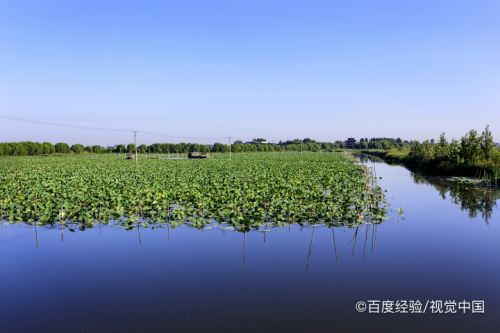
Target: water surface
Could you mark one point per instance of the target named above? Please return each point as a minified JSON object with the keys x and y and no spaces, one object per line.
{"x":444,"y":244}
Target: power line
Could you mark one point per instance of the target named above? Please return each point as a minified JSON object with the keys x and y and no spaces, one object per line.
{"x":49,"y":123}
{"x":24,"y":120}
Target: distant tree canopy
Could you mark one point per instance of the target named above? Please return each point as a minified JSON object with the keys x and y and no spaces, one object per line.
{"x":131,"y":148}
{"x":77,"y":148}
{"x":220,"y":148}
{"x":471,"y":148}
{"x":35,"y":148}
{"x":119,"y":149}
{"x":62,"y":148}
{"x":26,"y":148}
{"x":380,"y":143}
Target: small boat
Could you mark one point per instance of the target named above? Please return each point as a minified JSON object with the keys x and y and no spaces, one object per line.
{"x":195,"y":154}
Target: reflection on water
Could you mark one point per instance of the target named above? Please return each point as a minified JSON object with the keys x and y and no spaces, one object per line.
{"x":292,"y":278}
{"x":473,"y":199}
{"x":368,"y":233}
{"x":362,"y":241}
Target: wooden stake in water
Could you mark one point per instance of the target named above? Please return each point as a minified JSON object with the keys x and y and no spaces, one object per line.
{"x":310,"y":248}
{"x":62,"y":232}
{"x":367,"y":226}
{"x":355,"y":239}
{"x":139,"y":234}
{"x":36,"y":236}
{"x":244,"y":251}
{"x":335,"y":244}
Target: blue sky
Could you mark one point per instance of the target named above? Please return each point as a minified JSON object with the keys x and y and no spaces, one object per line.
{"x":273,"y":69}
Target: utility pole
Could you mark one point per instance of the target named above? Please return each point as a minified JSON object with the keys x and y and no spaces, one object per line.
{"x":230,"y":153}
{"x":135,"y":144}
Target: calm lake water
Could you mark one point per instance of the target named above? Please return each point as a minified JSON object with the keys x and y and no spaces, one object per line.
{"x":444,"y":246}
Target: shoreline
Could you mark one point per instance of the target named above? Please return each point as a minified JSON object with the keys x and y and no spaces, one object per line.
{"x":471,"y":175}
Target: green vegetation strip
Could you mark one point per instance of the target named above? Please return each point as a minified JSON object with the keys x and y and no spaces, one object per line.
{"x":474,"y":155}
{"x":247,"y":191}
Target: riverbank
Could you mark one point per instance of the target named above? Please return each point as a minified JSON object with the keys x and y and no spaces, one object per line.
{"x":477,"y":174}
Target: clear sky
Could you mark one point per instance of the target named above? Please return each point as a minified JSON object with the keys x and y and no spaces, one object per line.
{"x":272,"y":69}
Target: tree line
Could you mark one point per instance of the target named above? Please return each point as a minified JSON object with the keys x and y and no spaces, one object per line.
{"x":472,"y":149}
{"x":28,"y":148}
{"x":474,"y":154}
{"x":381,"y":143}
{"x":46,"y":148}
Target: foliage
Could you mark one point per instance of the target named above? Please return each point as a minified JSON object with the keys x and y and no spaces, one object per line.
{"x":120,"y":149}
{"x":77,"y":148}
{"x":62,"y":148}
{"x":249,"y":190}
{"x":473,"y":155}
{"x":130,"y":148}
{"x":472,"y":149}
{"x":379,"y":143}
{"x":473,"y":199}
{"x":258,"y":145}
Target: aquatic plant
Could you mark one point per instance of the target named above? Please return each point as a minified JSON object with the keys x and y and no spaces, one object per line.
{"x":245,"y":192}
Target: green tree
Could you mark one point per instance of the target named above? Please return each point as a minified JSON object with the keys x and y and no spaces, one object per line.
{"x":471,"y":147}
{"x":441,"y":149}
{"x":454,"y":152}
{"x":220,"y":148}
{"x":143,"y":149}
{"x":48,"y":148}
{"x":77,"y":148}
{"x":62,"y":148}
{"x":487,"y":144}
{"x":96,"y":149}
{"x":120,"y":149}
{"x":131,"y":148}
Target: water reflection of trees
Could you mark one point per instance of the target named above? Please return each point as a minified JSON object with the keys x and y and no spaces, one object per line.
{"x":470,"y":198}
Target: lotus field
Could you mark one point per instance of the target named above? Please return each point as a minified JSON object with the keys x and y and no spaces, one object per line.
{"x":246,"y":192}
